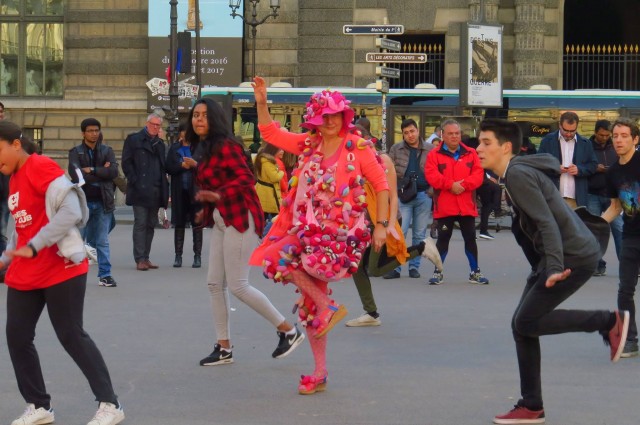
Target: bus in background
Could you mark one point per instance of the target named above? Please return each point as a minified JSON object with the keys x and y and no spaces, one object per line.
{"x":536,"y":111}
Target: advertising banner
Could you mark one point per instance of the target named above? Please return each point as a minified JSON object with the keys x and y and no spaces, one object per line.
{"x":481,"y":65}
{"x":220,"y":49}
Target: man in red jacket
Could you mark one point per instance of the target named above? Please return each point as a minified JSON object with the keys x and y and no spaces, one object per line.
{"x":454,"y":171}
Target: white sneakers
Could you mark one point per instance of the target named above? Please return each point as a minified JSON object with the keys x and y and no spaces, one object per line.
{"x":107,"y":414}
{"x":364,"y":320}
{"x":33,"y":416}
{"x":431,"y":253}
{"x":92,"y":254}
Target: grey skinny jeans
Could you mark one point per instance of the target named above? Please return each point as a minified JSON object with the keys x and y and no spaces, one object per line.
{"x":229,"y":269}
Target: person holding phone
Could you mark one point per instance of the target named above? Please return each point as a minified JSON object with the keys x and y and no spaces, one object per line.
{"x":577,"y":160}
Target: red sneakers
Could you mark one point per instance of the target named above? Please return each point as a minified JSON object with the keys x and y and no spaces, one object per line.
{"x":617,"y":336}
{"x":520,"y":415}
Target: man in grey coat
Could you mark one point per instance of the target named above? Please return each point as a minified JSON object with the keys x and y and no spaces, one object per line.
{"x":143,"y":163}
{"x":409,"y":157}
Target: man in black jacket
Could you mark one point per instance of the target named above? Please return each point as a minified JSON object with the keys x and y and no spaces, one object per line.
{"x":95,"y":163}
{"x":568,"y":254}
{"x":597,"y":199}
{"x":143,"y":163}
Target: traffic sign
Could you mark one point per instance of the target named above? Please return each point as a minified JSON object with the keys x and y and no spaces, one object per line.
{"x":372,"y":29}
{"x":385,"y":43}
{"x":397,"y":57}
{"x":383,"y":71}
{"x":382,"y":86}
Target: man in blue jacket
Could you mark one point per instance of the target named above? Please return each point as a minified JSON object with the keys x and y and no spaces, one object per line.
{"x":577,"y":159}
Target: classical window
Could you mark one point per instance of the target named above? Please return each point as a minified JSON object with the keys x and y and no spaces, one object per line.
{"x":31,"y":47}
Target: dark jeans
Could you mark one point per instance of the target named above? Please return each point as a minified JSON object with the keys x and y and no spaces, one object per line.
{"x":467,"y":228}
{"x":629,"y":260}
{"x":65,"y":305}
{"x":536,"y":316}
{"x":490,"y":195}
{"x":375,"y":264}
{"x":144,"y":223}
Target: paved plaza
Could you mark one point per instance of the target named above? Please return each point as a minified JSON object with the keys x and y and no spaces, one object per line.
{"x":443,"y":355}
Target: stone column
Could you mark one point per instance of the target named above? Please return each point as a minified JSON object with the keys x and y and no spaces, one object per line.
{"x":490,"y":11}
{"x":529,"y":29}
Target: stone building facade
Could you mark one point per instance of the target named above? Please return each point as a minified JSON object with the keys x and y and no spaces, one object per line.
{"x":105,"y":61}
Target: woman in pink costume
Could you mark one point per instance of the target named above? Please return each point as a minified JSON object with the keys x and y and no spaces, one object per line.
{"x":321,"y":231}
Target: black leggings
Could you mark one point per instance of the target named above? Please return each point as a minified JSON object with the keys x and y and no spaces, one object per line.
{"x":468,"y":228}
{"x":65,"y":304}
{"x":490,"y":195}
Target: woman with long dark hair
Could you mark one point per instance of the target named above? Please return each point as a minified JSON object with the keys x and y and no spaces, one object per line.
{"x":181,"y":166}
{"x":47,"y":267}
{"x":231,"y":206}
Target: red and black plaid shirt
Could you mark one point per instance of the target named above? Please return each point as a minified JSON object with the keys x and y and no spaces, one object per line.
{"x":228,"y":174}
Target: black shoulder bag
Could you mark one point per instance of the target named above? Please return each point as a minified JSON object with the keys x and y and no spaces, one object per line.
{"x":408,"y":185}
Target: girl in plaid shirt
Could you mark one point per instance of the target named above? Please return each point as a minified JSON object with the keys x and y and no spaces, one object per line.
{"x":231,"y":207}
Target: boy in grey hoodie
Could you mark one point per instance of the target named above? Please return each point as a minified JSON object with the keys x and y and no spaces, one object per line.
{"x":568,"y":250}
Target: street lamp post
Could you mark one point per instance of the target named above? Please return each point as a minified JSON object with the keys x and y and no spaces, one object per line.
{"x":173,"y":87}
{"x":254,"y":22}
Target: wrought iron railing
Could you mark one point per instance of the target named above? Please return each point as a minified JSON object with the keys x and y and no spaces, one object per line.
{"x":416,"y":73}
{"x":602,"y":67}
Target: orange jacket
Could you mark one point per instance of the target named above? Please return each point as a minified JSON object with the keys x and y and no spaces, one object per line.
{"x":442,"y":170}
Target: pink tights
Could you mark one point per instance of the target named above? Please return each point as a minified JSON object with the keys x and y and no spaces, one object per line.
{"x":316,"y":291}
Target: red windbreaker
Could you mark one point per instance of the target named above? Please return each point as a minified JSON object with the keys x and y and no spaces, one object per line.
{"x":442,"y":170}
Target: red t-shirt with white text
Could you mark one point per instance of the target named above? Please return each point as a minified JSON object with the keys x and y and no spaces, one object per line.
{"x":27,"y":189}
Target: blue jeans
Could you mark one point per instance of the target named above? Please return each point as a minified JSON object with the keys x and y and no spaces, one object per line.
{"x":596,"y":206}
{"x":416,"y":215}
{"x":96,"y":233}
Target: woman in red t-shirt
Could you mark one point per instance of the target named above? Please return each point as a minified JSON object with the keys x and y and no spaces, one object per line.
{"x":47,"y":267}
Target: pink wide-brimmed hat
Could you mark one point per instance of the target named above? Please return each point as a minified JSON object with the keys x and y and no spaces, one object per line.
{"x":327,"y":102}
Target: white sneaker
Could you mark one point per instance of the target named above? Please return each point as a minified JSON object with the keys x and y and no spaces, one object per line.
{"x":431,"y":253}
{"x":364,"y":320}
{"x":107,"y":414}
{"x":92,"y":254}
{"x":33,"y":416}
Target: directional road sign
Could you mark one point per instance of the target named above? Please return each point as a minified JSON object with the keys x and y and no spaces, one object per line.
{"x":372,"y":29}
{"x":385,"y":43}
{"x":397,"y":57}
{"x":382,"y":86}
{"x":383,"y":71}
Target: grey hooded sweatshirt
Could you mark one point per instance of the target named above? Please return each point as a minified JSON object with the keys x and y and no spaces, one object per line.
{"x":558,"y":234}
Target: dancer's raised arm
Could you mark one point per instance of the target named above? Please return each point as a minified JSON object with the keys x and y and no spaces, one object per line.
{"x":260,"y":94}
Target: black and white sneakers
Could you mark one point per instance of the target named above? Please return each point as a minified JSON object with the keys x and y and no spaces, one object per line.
{"x":218,"y":356}
{"x":287,"y":343}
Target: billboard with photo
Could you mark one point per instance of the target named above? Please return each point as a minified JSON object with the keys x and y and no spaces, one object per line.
{"x":220,"y":49}
{"x":481,"y":65}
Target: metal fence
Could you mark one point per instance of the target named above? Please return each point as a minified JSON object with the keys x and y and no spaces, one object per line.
{"x":602,"y":67}
{"x":416,"y":73}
